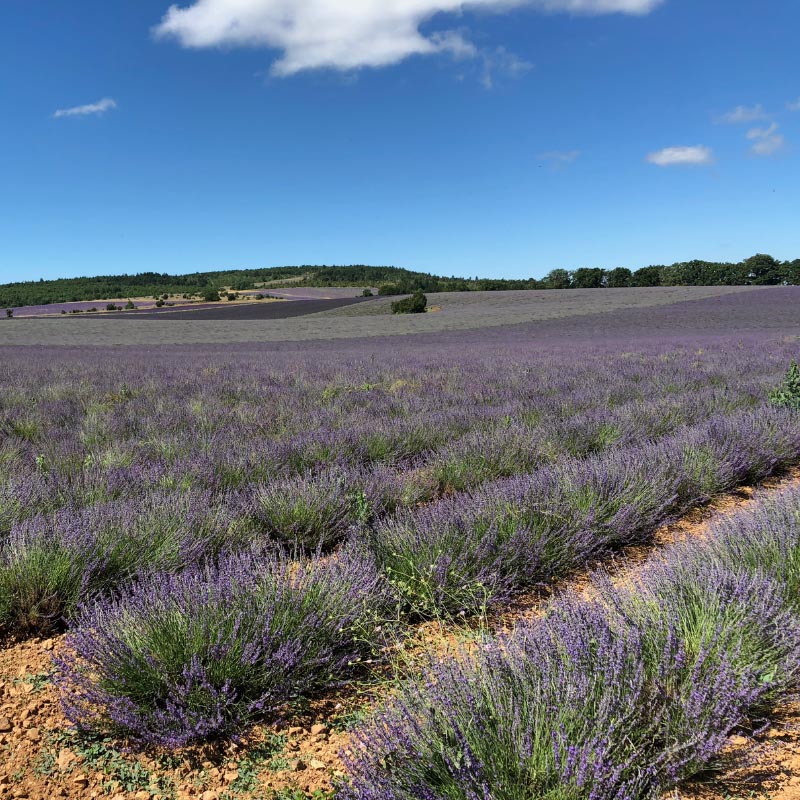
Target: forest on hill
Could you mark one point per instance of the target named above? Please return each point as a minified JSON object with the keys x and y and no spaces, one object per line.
{"x":760,"y":269}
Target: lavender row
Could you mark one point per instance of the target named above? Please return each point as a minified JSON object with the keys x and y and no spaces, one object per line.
{"x":455,"y":556}
{"x":39,"y":482}
{"x":462,"y":554}
{"x":185,"y":656}
{"x":81,"y":433}
{"x":617,"y":698}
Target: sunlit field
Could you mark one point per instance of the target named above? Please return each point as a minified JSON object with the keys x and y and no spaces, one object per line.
{"x":228,"y":530}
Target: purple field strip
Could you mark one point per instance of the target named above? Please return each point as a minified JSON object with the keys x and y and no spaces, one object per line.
{"x":451,"y":557}
{"x":241,"y":311}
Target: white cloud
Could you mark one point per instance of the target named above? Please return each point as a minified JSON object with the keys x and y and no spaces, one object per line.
{"x":762,"y":133}
{"x":348,"y":34}
{"x":502,"y":62}
{"x":743,"y":114}
{"x":793,"y":105}
{"x":766,"y":141}
{"x":100,"y":107}
{"x":676,"y":156}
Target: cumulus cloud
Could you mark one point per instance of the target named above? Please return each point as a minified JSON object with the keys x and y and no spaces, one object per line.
{"x":348,"y":34}
{"x":766,"y":141}
{"x":793,"y":105}
{"x":684,"y":155}
{"x":100,"y":107}
{"x":743,"y":114}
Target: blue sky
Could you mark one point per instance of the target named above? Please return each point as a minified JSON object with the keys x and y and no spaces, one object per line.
{"x":487,"y":138}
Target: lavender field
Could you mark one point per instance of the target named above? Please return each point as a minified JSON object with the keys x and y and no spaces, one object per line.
{"x":224,"y":528}
{"x":457,"y":312}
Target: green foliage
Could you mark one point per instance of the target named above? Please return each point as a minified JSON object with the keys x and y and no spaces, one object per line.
{"x":415,"y":304}
{"x":263,"y":755}
{"x":619,"y":278}
{"x":646,"y":276}
{"x":38,"y":588}
{"x":9,"y":312}
{"x":367,"y":293}
{"x":121,"y":772}
{"x":760,"y":269}
{"x":557,"y":279}
{"x":787,"y":395}
{"x":588,"y":278}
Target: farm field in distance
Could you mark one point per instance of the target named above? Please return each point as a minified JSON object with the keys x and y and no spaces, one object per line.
{"x":450,"y":311}
{"x":525,"y":545}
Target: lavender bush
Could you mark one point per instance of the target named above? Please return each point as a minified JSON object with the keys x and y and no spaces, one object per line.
{"x":619,"y":697}
{"x":51,"y":563}
{"x":763,"y":540}
{"x":571,"y":707}
{"x":192,"y":656}
{"x":317,"y":512}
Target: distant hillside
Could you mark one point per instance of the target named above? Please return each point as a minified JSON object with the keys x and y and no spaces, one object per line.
{"x":759,"y":269}
{"x":147,"y":284}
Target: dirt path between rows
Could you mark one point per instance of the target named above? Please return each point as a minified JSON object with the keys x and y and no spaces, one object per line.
{"x":40,"y":757}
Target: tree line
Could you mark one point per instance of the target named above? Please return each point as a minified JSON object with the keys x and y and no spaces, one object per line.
{"x":760,"y":269}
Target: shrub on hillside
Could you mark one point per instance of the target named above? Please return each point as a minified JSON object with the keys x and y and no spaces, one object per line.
{"x":415,"y":304}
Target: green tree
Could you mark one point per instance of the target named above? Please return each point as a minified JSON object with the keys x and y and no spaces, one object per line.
{"x":618,"y":278}
{"x":557,"y":279}
{"x":763,"y":270}
{"x":647,"y":276}
{"x":588,"y":278}
{"x":790,"y":272}
{"x":415,"y":304}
